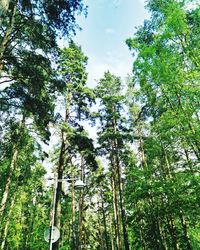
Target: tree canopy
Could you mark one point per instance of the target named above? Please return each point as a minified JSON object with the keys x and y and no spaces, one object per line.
{"x":134,"y":142}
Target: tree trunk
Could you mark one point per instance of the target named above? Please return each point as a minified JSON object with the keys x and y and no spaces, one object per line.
{"x":100,"y":236}
{"x":104,"y":221}
{"x":73,"y":238}
{"x":119,"y":182}
{"x":11,"y":170}
{"x":5,"y":231}
{"x":140,"y":226}
{"x":60,"y":169}
{"x":55,"y":245}
{"x":172,"y":231}
{"x":185,"y":232}
{"x":80,"y":221}
{"x":81,"y":205}
{"x":8,"y":183}
{"x":123,"y":214}
{"x":163,"y":234}
{"x":111,"y":234}
{"x":182,"y":128}
{"x":116,"y":212}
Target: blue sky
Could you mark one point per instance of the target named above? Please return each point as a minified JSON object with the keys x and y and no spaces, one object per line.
{"x":108,"y":24}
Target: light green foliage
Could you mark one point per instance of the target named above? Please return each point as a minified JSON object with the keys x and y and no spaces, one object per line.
{"x":167,"y":72}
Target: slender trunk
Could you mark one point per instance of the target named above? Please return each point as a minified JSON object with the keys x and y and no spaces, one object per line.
{"x":189,"y":162}
{"x":104,"y":221}
{"x":65,"y":234}
{"x":80,"y":221}
{"x":119,"y":182}
{"x":111,"y":235}
{"x":163,"y":234}
{"x":140,"y":226}
{"x":55,"y":245}
{"x":144,"y":166}
{"x":185,"y":232}
{"x":102,"y":243}
{"x":122,"y":209}
{"x":60,"y":169}
{"x":182,"y":128}
{"x":33,"y":215}
{"x":190,"y":125}
{"x":169,"y":170}
{"x":81,"y":205}
{"x":8,"y":183}
{"x":116,"y":215}
{"x":158,"y":240}
{"x":172,"y":231}
{"x":5,"y":231}
{"x":73,"y":238}
{"x":11,"y":171}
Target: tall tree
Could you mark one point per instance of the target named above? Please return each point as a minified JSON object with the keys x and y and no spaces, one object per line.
{"x":166,"y":71}
{"x":77,"y":98}
{"x":112,"y":139}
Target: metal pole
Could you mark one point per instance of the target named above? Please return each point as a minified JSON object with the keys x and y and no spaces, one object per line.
{"x":53,"y":212}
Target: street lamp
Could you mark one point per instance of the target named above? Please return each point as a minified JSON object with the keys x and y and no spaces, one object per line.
{"x":79,"y":185}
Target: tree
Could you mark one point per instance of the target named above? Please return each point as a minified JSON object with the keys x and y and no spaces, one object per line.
{"x":112,"y":138}
{"x":28,"y":33}
{"x":168,"y":122}
{"x":34,"y":25}
{"x":77,"y":98}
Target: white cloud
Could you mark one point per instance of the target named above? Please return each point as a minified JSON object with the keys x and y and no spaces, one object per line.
{"x":116,"y":66}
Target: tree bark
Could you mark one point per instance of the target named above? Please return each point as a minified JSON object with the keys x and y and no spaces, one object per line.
{"x":119,"y":182}
{"x":81,"y":206}
{"x":73,"y":238}
{"x":116,"y":212}
{"x":11,"y":171}
{"x":5,"y":231}
{"x":104,"y":220}
{"x":100,"y":236}
{"x":122,"y":209}
{"x":60,"y":169}
{"x":8,"y":183}
{"x":55,"y":245}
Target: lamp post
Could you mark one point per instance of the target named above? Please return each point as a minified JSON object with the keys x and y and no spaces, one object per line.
{"x":79,"y":185}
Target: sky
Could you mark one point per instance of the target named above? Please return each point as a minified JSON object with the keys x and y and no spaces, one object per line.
{"x":104,"y":32}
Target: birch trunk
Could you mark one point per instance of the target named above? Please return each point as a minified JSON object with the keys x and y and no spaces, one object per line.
{"x":11,"y":171}
{"x":8,"y":183}
{"x":5,"y":231}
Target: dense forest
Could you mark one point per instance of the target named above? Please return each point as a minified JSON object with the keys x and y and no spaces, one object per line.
{"x":141,"y":169}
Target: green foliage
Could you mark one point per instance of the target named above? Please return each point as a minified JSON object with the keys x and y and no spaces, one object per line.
{"x":164,"y":191}
{"x":145,"y":182}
